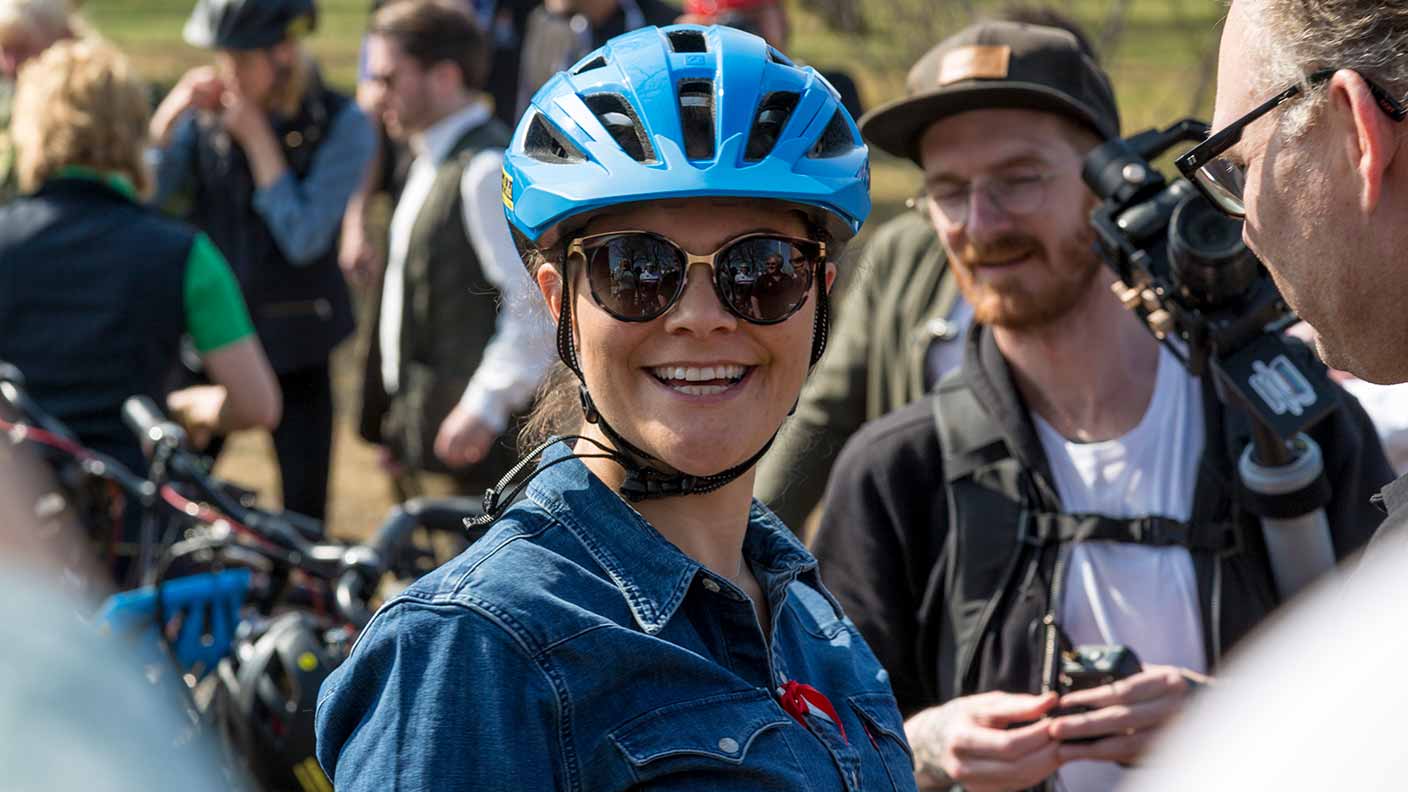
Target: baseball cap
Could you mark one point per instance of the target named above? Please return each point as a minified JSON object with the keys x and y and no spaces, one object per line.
{"x":992,"y":65}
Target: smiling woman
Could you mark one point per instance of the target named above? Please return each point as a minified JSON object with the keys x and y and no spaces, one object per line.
{"x":638,"y":621}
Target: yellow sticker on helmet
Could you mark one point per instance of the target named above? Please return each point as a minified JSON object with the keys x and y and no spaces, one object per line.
{"x":308,"y":661}
{"x":508,"y":190}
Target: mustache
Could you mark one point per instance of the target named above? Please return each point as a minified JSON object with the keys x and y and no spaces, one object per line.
{"x":1002,"y":248}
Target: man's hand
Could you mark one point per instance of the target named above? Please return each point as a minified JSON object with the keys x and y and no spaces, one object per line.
{"x":200,"y":88}
{"x":355,"y":253}
{"x":200,"y":410}
{"x":243,"y":119}
{"x":967,"y":741}
{"x":463,"y":438}
{"x":1126,"y":714}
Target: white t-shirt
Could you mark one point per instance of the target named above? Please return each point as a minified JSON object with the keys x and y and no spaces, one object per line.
{"x":1142,"y":597}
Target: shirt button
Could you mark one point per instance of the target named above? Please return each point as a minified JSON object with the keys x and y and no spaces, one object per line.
{"x":711,"y":586}
{"x":728,"y":745}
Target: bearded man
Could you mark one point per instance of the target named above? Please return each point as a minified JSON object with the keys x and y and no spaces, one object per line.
{"x":1071,"y":483}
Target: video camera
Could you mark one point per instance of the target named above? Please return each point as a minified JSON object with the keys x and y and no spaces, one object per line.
{"x":1185,"y":271}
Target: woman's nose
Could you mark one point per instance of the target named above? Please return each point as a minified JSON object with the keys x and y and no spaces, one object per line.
{"x":699,"y":310}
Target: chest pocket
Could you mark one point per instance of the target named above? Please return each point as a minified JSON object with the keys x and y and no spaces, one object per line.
{"x":884,"y":727}
{"x":712,"y":743}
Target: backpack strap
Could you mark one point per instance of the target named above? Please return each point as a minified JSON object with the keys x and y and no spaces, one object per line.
{"x":1052,"y":528}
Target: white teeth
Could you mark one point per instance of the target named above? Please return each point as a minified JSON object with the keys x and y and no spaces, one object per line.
{"x":693,"y":374}
{"x":701,"y":390}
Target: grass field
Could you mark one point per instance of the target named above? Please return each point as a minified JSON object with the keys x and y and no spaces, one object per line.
{"x":1160,"y":54}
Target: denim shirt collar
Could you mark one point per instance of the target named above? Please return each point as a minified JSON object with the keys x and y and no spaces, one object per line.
{"x":652,"y":574}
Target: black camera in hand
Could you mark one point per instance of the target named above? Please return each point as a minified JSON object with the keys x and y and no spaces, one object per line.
{"x":1185,"y":271}
{"x":1085,"y":667}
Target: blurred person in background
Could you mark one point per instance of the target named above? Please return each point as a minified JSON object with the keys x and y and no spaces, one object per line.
{"x":503,"y":23}
{"x":559,"y":32}
{"x":266,"y":157}
{"x":768,"y":19}
{"x":460,"y":346}
{"x":899,"y":330}
{"x":1071,"y":484}
{"x":96,"y":289}
{"x":27,"y":28}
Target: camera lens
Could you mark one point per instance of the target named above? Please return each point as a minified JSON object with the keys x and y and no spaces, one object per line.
{"x":1211,"y":264}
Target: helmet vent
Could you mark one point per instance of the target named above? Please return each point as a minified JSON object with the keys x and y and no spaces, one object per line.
{"x":546,"y":144}
{"x":697,"y":118}
{"x":616,"y":114}
{"x":687,"y":41}
{"x":595,"y":63}
{"x":772,"y":116}
{"x":835,"y":140}
{"x":775,"y":55}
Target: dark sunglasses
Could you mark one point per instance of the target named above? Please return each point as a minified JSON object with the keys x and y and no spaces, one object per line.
{"x":1223,"y":181}
{"x":637,"y":276}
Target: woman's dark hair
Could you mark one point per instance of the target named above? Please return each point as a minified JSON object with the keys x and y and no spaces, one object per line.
{"x":436,"y":31}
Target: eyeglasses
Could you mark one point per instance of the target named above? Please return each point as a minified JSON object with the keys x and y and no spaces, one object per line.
{"x":1017,"y":193}
{"x":637,"y":276}
{"x":1223,"y":181}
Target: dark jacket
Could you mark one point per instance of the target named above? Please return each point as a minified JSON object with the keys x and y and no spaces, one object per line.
{"x":300,"y":312}
{"x":92,"y":304}
{"x":887,"y":545}
{"x":448,"y":316}
{"x":874,"y":363}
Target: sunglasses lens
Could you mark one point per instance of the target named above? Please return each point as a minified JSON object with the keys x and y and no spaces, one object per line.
{"x":635,"y":276}
{"x":766,"y":279}
{"x":1224,"y":182}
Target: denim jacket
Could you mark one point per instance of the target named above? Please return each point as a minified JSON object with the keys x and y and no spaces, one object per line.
{"x":575,"y":648}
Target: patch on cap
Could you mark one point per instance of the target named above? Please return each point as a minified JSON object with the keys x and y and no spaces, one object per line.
{"x":977,"y":62}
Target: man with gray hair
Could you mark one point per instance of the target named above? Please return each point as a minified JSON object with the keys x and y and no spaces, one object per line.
{"x":1309,"y":147}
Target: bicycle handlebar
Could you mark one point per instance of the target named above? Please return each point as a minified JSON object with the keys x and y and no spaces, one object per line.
{"x":148,"y":422}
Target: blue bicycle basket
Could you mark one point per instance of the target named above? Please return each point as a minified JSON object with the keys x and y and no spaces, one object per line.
{"x":682,"y":112}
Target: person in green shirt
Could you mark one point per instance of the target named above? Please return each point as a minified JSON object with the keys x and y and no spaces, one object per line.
{"x":96,"y":288}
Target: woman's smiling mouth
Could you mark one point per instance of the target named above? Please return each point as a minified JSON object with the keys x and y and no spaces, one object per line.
{"x":709,"y":380}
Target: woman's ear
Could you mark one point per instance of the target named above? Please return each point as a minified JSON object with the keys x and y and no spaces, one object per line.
{"x":550,"y":284}
{"x":830,"y":275}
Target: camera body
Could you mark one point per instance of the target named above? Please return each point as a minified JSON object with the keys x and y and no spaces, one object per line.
{"x":1185,"y":271}
{"x":1090,"y":666}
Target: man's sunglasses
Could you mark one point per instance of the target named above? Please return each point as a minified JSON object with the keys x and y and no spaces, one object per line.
{"x":637,"y":276}
{"x":1224,"y":181}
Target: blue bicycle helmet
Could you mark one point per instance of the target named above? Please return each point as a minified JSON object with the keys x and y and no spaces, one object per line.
{"x":682,"y":112}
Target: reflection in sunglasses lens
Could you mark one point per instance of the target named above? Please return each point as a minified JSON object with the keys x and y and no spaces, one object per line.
{"x":764,"y":279}
{"x":636,"y":276}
